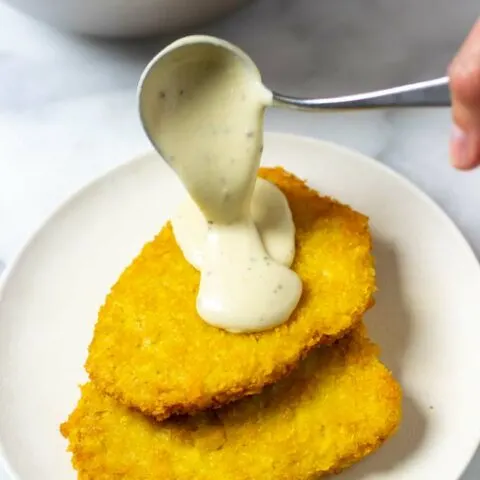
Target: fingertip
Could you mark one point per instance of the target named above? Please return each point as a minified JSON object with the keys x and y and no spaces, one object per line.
{"x":464,"y":149}
{"x":458,"y":148}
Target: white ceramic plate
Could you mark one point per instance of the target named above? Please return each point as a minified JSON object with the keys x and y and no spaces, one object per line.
{"x":427,"y":317}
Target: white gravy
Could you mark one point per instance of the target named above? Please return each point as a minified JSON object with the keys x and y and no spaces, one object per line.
{"x":237,"y":230}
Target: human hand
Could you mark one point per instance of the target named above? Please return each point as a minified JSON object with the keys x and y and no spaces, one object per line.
{"x":464,"y":73}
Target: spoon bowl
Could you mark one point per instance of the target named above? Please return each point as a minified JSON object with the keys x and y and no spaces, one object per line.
{"x":182,"y":57}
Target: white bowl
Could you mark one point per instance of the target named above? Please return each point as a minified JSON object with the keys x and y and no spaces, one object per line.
{"x":124,"y":18}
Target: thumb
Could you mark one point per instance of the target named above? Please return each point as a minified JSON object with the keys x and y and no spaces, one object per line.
{"x":464,"y":73}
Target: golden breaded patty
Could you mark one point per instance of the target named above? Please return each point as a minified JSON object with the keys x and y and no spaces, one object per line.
{"x":336,"y":408}
{"x":153,"y":352}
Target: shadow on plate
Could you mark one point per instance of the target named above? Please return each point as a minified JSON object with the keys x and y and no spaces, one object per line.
{"x":389,"y":324}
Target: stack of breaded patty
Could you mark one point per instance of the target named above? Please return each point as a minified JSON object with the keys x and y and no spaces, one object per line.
{"x":173,"y":398}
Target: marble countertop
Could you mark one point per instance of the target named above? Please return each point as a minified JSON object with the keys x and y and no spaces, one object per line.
{"x":68,"y":110}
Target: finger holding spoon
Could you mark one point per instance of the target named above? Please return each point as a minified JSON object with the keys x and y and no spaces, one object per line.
{"x":464,"y":73}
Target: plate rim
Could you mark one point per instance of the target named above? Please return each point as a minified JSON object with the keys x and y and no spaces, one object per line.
{"x":273,"y":136}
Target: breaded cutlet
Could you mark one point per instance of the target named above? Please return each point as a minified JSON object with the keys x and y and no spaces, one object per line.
{"x":337,"y":407}
{"x":152,"y":351}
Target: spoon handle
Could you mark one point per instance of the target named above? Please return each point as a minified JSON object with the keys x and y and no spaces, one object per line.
{"x":431,"y":93}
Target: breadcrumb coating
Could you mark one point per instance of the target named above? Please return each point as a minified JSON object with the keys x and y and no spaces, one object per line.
{"x":336,"y":408}
{"x":152,"y":351}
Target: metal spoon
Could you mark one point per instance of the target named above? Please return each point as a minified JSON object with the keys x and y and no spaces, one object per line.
{"x":430,"y":93}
